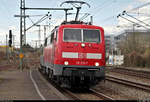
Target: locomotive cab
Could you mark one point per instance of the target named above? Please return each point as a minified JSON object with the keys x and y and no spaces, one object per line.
{"x":82,"y":53}
{"x":76,"y":55}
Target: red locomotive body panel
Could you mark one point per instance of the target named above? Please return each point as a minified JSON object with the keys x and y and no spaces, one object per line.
{"x":79,"y":53}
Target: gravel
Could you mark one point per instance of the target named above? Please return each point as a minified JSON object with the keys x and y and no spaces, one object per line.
{"x":123,"y":92}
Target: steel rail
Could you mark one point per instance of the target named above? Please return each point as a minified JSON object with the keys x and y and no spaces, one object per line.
{"x":131,"y":72}
{"x":105,"y":97}
{"x":5,"y":65}
{"x":92,"y":92}
{"x":72,"y":95}
{"x":129,"y":83}
{"x":122,"y":68}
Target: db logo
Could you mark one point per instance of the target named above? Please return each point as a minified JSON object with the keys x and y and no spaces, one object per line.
{"x":82,"y":55}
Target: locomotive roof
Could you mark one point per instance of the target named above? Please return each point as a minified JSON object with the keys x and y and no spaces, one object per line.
{"x":73,"y":23}
{"x":76,"y":22}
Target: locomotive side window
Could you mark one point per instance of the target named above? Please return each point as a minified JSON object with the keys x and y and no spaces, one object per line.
{"x":72,"y":35}
{"x":45,"y":44}
{"x":56,"y":35}
{"x":52,"y":38}
{"x":48,"y":41}
{"x":91,"y":35}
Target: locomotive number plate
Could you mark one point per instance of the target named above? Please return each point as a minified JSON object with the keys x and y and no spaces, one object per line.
{"x":82,"y":62}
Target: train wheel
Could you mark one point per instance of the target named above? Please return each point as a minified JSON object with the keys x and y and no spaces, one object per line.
{"x":50,"y":74}
{"x":44,"y":70}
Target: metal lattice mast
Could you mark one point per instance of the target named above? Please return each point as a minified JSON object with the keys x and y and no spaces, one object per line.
{"x":23,"y":22}
{"x":22,"y":30}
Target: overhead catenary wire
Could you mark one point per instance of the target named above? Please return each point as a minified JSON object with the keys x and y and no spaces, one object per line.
{"x":31,"y":20}
{"x":146,"y":19}
{"x":140,"y":14}
{"x":141,"y":6}
{"x":132,"y":21}
{"x":29,"y":17}
{"x":42,"y":19}
{"x":103,"y":6}
{"x":136,"y":19}
{"x":84,"y":16}
{"x":136,"y":9}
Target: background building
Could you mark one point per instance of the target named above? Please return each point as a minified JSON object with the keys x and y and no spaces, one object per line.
{"x":109,"y":43}
{"x":139,"y":36}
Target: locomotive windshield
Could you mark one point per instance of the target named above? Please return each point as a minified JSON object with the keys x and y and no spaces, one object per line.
{"x":91,"y":36}
{"x":72,"y":35}
{"x":81,"y":35}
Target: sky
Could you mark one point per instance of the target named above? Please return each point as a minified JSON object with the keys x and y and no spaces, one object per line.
{"x":104,"y":14}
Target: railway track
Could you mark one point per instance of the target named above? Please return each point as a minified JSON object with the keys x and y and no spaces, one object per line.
{"x":129,"y":83}
{"x":131,"y":72}
{"x":87,"y":95}
{"x":4,"y":67}
{"x":90,"y":94}
{"x":105,"y":97}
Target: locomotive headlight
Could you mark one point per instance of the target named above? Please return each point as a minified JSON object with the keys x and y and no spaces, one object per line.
{"x":97,"y":64}
{"x":66,"y":63}
{"x":82,"y":45}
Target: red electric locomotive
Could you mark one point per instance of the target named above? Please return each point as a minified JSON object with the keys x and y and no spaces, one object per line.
{"x":74,"y":55}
